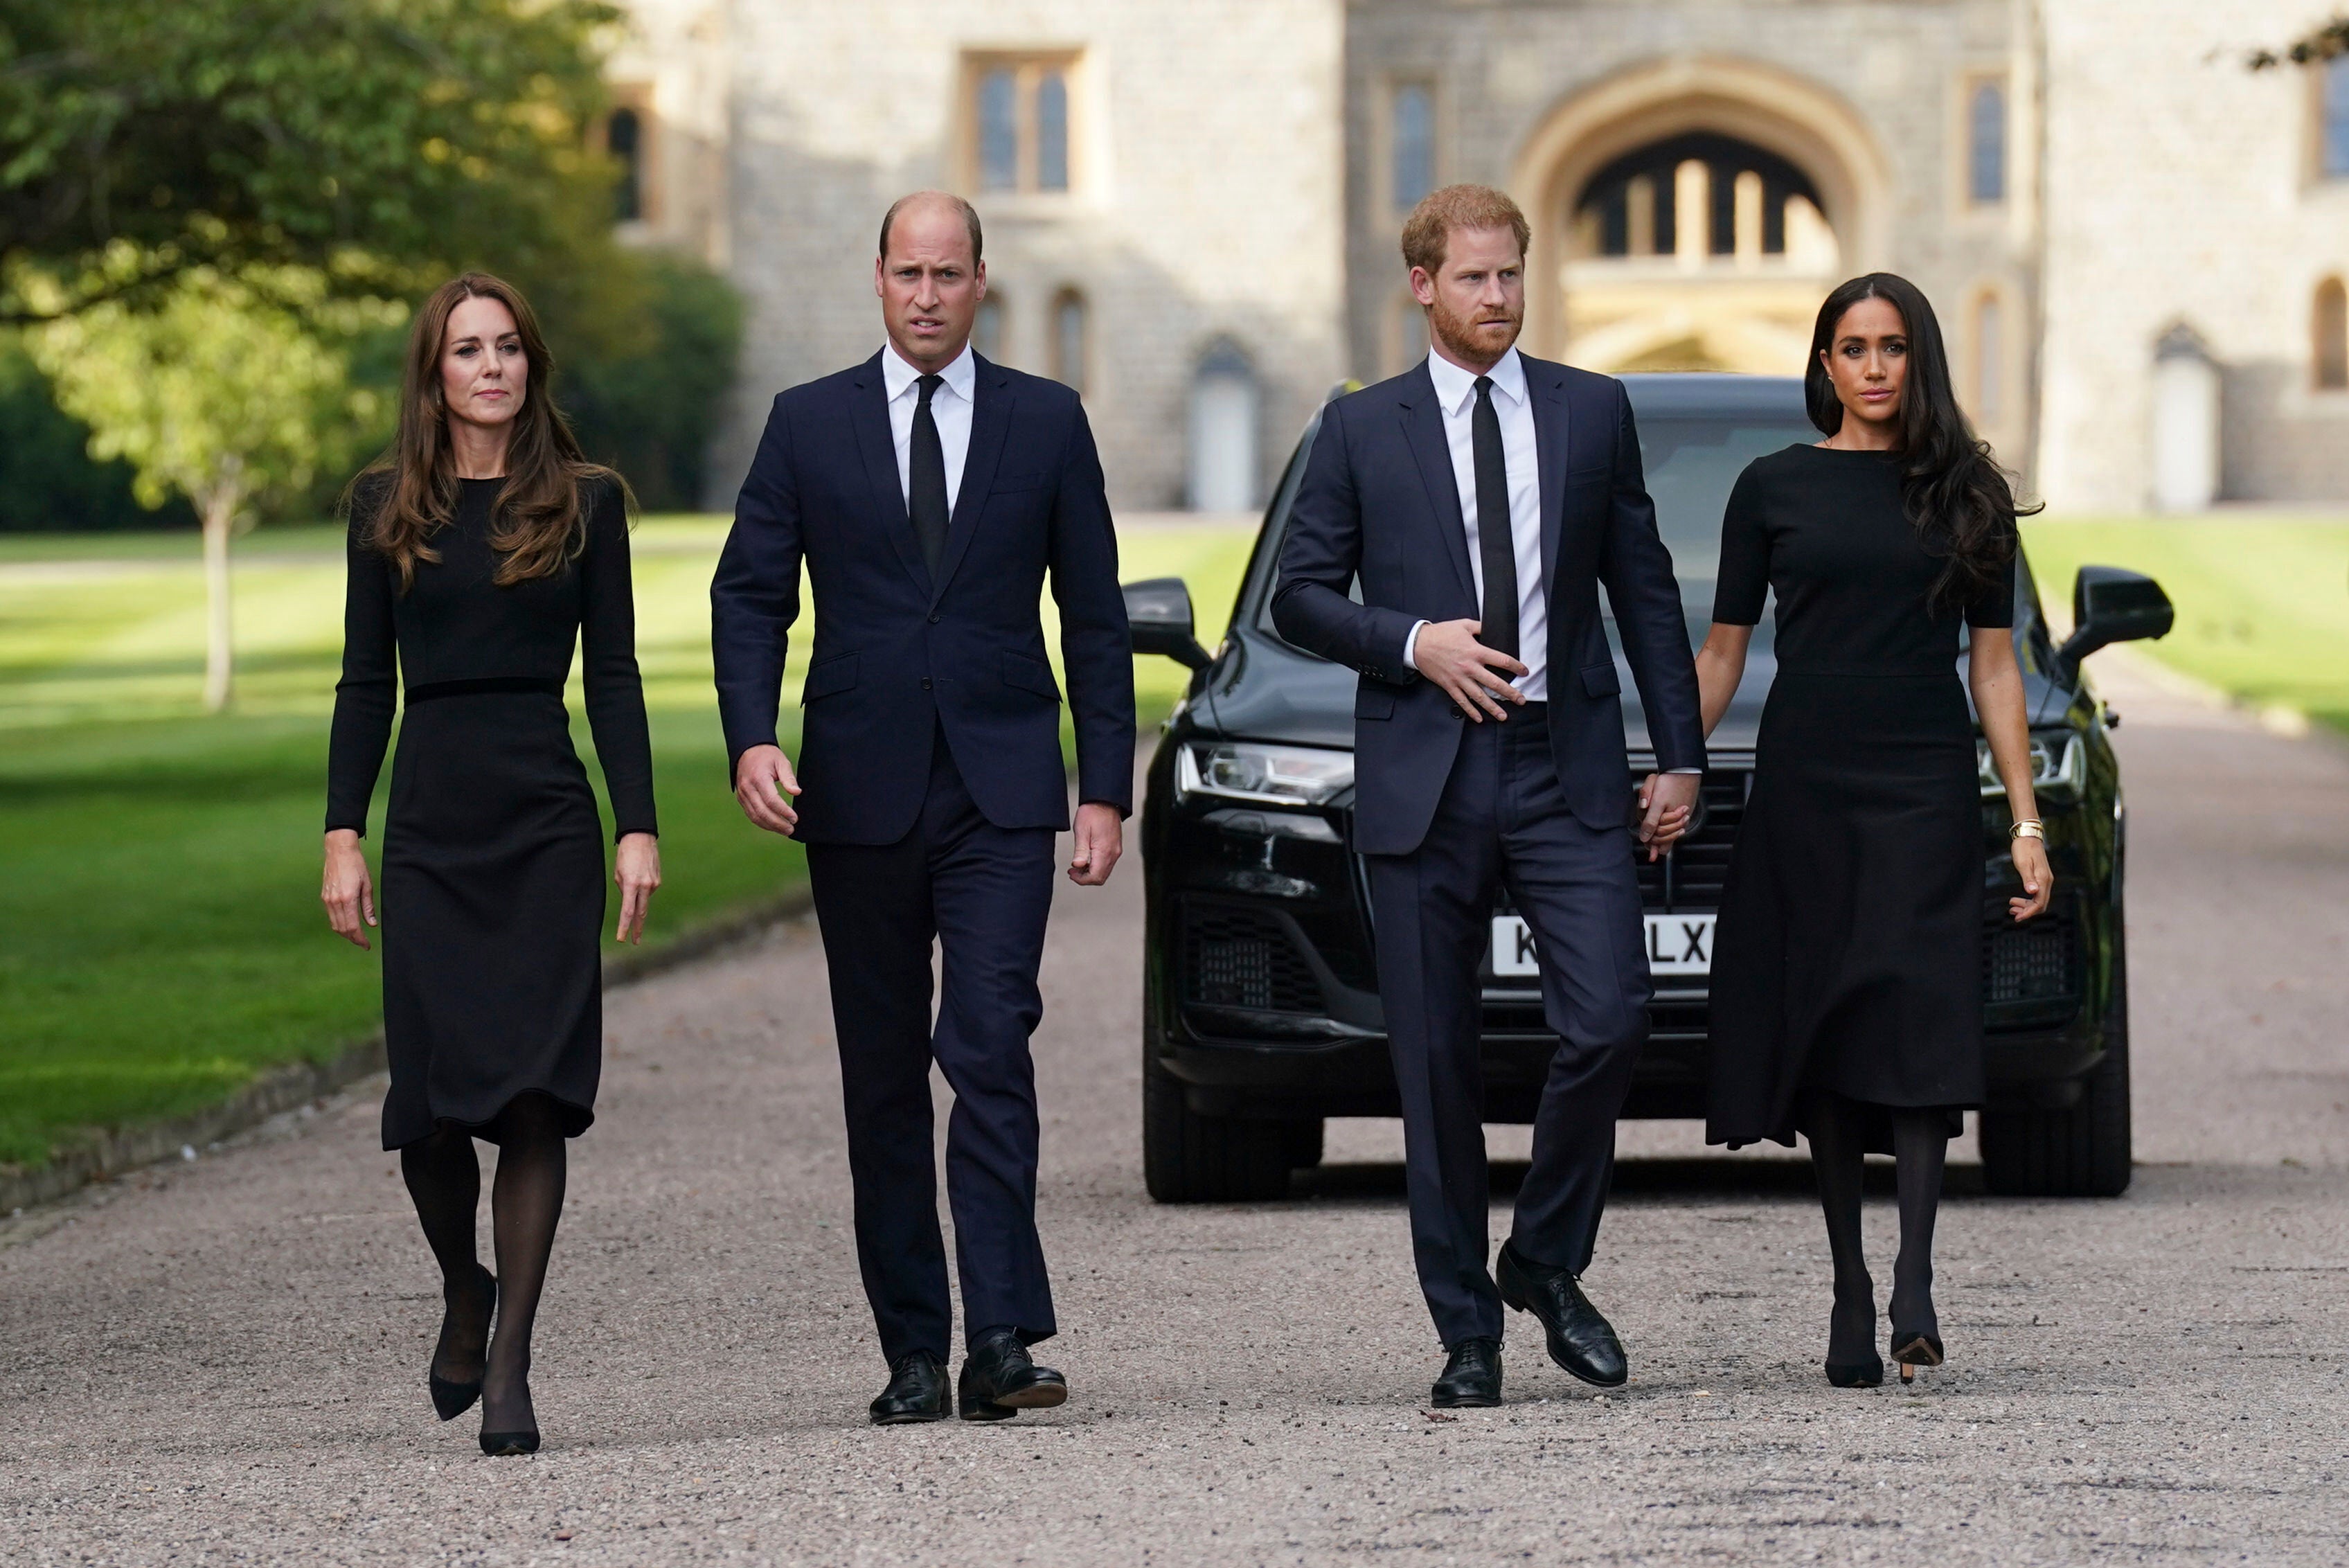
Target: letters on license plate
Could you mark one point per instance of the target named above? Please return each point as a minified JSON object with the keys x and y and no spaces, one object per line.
{"x":1677,"y":944}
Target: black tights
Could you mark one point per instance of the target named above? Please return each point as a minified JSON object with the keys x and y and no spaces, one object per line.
{"x":1837,"y":1128}
{"x":444,"y":1178}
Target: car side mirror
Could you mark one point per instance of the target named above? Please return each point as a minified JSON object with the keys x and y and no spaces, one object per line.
{"x":1158,"y":617}
{"x":2112,"y":604}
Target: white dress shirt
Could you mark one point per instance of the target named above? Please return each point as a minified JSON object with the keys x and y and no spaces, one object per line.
{"x":949,"y":408}
{"x":1455,"y":395}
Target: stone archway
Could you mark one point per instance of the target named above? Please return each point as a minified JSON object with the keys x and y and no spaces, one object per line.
{"x":1738,"y":310}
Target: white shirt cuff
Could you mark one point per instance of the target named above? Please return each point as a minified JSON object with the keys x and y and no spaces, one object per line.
{"x":1683,"y":770}
{"x":1410,"y":646}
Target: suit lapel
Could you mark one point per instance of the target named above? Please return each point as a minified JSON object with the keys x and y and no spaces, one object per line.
{"x":1423,"y":429}
{"x":990,"y":421}
{"x":1552,"y":420}
{"x":870,"y":418}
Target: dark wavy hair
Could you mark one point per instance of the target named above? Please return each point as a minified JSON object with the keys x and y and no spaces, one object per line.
{"x":538,"y":521}
{"x":1959,"y":499}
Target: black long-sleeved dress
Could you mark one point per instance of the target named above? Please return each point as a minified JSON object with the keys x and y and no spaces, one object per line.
{"x":493,"y":893}
{"x":1848,"y":953}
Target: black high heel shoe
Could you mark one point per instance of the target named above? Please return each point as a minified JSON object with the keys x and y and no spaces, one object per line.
{"x":1915,"y":1350}
{"x":1852,"y":1361}
{"x":520,"y":1440}
{"x":449,"y":1399}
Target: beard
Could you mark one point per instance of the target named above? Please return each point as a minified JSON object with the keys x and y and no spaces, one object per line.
{"x":1467,"y":337}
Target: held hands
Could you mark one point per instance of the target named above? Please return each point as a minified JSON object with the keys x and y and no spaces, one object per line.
{"x":2038,"y":879}
{"x":638,"y":872}
{"x":1667,"y":802}
{"x":1473,"y":675}
{"x":348,"y":895}
{"x":764,"y":786}
{"x":1100,"y":837}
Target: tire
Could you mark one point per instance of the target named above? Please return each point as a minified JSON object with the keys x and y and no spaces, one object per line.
{"x":1187,"y":1157}
{"x":2083,"y":1151}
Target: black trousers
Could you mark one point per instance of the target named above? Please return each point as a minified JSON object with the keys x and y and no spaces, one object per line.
{"x":1503,"y":821}
{"x":982,"y":893}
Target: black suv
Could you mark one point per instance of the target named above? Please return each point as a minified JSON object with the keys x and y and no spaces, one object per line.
{"x":1261,"y":1009}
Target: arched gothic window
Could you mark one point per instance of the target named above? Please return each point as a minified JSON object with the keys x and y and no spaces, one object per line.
{"x":1068,"y":343}
{"x":986,"y":329}
{"x":1226,"y":403}
{"x":2335,"y":128}
{"x":2330,"y":325}
{"x":624,"y":138}
{"x":1986,"y":143}
{"x":1410,"y":129}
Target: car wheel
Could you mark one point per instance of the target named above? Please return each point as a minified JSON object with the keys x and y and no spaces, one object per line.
{"x":2084,"y":1150}
{"x":1187,"y":1157}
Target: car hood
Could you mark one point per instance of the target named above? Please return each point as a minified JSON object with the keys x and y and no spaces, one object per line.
{"x":1262,"y":689}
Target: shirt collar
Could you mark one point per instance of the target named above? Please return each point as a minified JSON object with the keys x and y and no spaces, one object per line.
{"x":897,"y":375}
{"x":1455,"y":389}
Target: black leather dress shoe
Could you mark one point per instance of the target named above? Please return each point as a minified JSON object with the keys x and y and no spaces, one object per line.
{"x":1579,"y":1339}
{"x":999,"y":1380}
{"x":916,"y":1391}
{"x":1472,"y":1376}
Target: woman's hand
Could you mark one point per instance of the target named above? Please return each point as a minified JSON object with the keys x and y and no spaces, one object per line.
{"x":2038,"y":879}
{"x":637,"y":873}
{"x":348,"y":895}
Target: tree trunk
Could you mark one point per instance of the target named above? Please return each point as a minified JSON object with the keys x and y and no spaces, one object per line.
{"x":219,"y":512}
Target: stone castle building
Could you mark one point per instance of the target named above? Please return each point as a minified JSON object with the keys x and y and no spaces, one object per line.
{"x":2137,"y":244}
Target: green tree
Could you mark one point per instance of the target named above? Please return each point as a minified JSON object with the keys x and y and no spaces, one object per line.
{"x":230,"y":391}
{"x":389,"y":142}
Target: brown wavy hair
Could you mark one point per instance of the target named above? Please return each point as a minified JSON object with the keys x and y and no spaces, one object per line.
{"x":538,"y":522}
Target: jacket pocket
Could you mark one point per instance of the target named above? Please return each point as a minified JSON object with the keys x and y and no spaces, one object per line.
{"x":829,"y":676}
{"x":1374,"y":704}
{"x":1601,"y":680}
{"x":1029,"y":675}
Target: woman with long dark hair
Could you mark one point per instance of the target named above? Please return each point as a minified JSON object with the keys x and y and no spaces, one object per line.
{"x":1847,"y":981}
{"x":482,"y":546}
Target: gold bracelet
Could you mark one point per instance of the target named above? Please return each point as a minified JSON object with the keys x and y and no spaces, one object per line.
{"x":2029,"y":828}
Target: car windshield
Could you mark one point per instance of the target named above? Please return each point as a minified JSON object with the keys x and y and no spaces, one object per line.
{"x":1691,"y":460}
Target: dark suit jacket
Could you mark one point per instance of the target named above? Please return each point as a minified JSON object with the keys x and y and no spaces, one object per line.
{"x":1379,"y":498}
{"x":898,"y":657}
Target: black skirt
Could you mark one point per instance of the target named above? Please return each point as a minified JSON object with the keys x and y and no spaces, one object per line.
{"x":493,"y":906}
{"x":1848,"y":953}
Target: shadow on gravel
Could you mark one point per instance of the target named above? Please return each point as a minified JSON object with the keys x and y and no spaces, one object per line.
{"x":1382,"y":1182}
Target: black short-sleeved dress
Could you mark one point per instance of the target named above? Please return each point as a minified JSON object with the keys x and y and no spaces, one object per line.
{"x":493,"y":893}
{"x":1848,"y":954}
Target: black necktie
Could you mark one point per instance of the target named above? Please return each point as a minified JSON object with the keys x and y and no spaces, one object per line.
{"x":925,"y":468}
{"x":1494,"y":542}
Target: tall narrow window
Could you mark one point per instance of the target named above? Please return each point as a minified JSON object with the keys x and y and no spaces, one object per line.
{"x":2331,"y":325}
{"x":986,"y":329}
{"x":1022,"y":134}
{"x":1986,"y":143}
{"x":998,"y":129}
{"x":1069,"y":339}
{"x":1225,"y":409}
{"x":2336,"y":118}
{"x":1990,"y":361}
{"x":1412,"y":130}
{"x":623,"y":137}
{"x":1409,"y":344}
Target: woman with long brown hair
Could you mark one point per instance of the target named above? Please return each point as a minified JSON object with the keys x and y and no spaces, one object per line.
{"x":483,"y":546}
{"x":1847,"y":979}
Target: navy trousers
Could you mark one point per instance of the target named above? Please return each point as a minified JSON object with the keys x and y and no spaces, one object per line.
{"x":1503,"y":821}
{"x":982,"y":893}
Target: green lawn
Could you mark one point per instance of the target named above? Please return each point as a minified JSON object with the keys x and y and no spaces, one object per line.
{"x":159,"y":869}
{"x":2262,"y":603}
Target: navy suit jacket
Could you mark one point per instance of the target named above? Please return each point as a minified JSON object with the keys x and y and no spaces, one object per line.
{"x":898,"y":656}
{"x":1379,"y":498}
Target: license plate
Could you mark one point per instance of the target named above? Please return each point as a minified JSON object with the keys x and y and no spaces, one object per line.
{"x":1677,"y":944}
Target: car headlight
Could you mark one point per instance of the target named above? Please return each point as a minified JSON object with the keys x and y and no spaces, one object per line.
{"x":2059,"y":765}
{"x":1273,"y":776}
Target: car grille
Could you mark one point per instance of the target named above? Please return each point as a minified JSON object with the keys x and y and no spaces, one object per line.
{"x":1690,"y":877}
{"x":2034,"y":963}
{"x":1240,"y":957}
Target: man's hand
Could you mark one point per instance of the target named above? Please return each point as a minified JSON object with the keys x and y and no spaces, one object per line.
{"x":1667,"y":802}
{"x":1101,"y":839}
{"x":764,"y":786}
{"x":1448,"y":653}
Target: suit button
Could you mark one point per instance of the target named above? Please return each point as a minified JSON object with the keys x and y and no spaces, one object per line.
{"x":934,"y":620}
{"x":925,"y":683}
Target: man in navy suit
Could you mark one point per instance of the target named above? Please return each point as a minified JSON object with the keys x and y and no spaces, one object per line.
{"x":1482,"y":499}
{"x":928,"y":494}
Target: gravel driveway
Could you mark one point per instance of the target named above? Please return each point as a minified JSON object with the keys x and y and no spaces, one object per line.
{"x":224,"y":1361}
